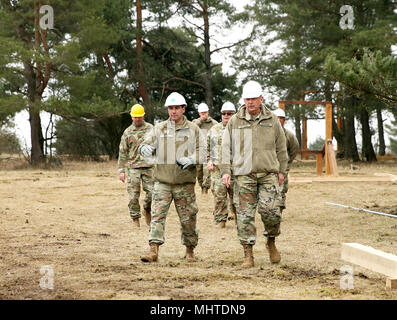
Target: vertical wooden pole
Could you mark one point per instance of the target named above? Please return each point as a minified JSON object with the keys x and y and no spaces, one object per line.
{"x":319,"y":163}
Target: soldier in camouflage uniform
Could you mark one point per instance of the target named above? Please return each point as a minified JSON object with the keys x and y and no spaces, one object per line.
{"x":138,"y":169}
{"x":292,"y":150}
{"x":214,"y":143}
{"x":254,"y":148}
{"x":205,"y":123}
{"x":177,"y":146}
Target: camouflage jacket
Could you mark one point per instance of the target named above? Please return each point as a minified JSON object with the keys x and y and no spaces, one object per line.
{"x":128,"y":151}
{"x":214,"y":143}
{"x":254,"y":144}
{"x":205,"y":126}
{"x":292,"y":146}
{"x":172,"y":142}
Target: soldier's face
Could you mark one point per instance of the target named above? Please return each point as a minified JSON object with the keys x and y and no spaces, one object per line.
{"x":253,"y":105}
{"x":138,"y":121}
{"x":282,"y":121}
{"x":176,"y":113}
{"x":203,"y":116}
{"x":226,"y":115}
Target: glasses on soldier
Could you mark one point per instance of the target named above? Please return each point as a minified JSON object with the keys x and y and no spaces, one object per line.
{"x":227,"y":113}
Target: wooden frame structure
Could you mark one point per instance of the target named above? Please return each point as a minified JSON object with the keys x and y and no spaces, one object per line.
{"x":330,"y":159}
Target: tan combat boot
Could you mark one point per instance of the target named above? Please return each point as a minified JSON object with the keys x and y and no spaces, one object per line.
{"x":248,"y":256}
{"x":222,"y":224}
{"x":148,"y":216}
{"x":136,"y":222}
{"x":153,"y":254}
{"x":190,"y":254}
{"x":273,"y":252}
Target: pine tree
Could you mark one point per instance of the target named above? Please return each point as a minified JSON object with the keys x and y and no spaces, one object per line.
{"x":37,"y":62}
{"x":309,"y":32}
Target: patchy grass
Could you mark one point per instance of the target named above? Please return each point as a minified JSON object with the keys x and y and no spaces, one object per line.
{"x":75,"y":219}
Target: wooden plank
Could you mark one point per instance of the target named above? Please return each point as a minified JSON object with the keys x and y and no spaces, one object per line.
{"x":328,"y":121}
{"x":391,"y":283}
{"x":370,"y":258}
{"x":303,"y":102}
{"x":311,"y":151}
{"x":319,"y":163}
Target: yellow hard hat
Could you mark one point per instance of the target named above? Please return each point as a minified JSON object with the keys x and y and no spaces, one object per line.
{"x":137,"y":111}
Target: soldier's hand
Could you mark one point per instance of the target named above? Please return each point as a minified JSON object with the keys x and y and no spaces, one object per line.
{"x":122,"y":177}
{"x":146,"y":150}
{"x":210,"y":166}
{"x":185,"y":162}
{"x":226,"y":180}
{"x":280,"y":178}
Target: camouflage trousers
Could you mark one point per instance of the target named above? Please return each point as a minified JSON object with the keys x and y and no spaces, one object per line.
{"x":203,"y":176}
{"x":283,"y":193}
{"x":257,"y":190}
{"x":185,"y":205}
{"x":134,"y":179}
{"x":221,"y":196}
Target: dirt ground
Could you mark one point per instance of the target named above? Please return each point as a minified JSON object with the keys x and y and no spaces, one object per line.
{"x":75,"y":219}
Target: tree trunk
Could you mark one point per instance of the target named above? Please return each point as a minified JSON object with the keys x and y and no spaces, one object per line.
{"x":367,"y":148}
{"x":141,"y":83}
{"x":36,"y":138}
{"x":381,"y":135}
{"x":349,"y":133}
{"x":338,"y":134}
{"x":34,"y":86}
{"x":207,"y":59}
{"x":298,"y":130}
{"x":337,"y":131}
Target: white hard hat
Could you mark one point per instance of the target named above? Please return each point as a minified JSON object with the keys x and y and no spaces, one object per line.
{"x":252,"y":89}
{"x":279,"y":113}
{"x":202,"y":107}
{"x":228,"y":106}
{"x":175,"y":99}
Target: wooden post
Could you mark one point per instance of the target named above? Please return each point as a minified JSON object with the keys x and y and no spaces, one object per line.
{"x":319,"y":163}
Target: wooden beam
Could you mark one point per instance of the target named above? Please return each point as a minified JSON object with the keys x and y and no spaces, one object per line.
{"x":311,"y":151}
{"x":304,"y":102}
{"x":370,"y":258}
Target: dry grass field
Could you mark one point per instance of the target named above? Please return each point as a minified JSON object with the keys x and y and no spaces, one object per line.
{"x":75,"y":219}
